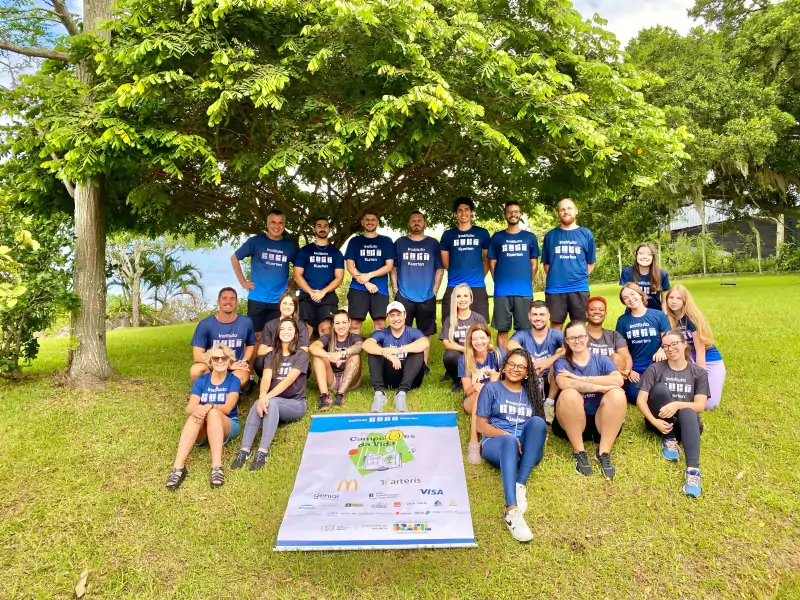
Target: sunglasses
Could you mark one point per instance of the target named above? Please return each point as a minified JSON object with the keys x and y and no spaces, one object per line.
{"x":219,"y":358}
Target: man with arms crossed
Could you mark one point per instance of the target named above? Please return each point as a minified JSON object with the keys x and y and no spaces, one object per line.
{"x":318,"y":271}
{"x":270,"y":255}
{"x":568,"y":256}
{"x":513,"y":258}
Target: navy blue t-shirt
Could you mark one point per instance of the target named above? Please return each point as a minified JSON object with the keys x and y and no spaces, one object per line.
{"x":550,"y":345}
{"x":492,"y":363}
{"x":386,"y":339}
{"x":687,"y":326}
{"x":466,"y":255}
{"x":503,"y":408}
{"x":417,"y":263}
{"x":237,"y":335}
{"x":654,"y":299}
{"x":597,"y":366}
{"x":269,"y":266}
{"x":513,"y":253}
{"x":643,"y":336}
{"x":569,"y":252}
{"x":319,"y":264}
{"x":370,"y":254}
{"x":217,"y":394}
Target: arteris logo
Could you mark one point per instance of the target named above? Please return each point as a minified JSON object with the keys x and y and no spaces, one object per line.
{"x":414,"y":481}
{"x":380,"y":451}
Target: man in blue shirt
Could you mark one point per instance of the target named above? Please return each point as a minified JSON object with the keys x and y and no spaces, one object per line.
{"x":513,"y":260}
{"x":229,"y":328}
{"x":464,"y":251}
{"x":369,"y":258}
{"x":270,"y":255}
{"x":417,"y":275}
{"x":568,"y":256}
{"x":395,"y":357}
{"x":318,"y":271}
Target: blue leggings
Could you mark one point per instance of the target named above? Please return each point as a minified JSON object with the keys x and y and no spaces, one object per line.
{"x":503,"y":452}
{"x":632,"y":389}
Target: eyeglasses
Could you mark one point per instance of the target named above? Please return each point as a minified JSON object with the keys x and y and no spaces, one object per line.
{"x":672,"y":346}
{"x":516,"y":367}
{"x":511,"y":213}
{"x":576,"y":338}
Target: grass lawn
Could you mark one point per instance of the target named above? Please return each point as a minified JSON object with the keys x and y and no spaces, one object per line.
{"x":82,"y":487}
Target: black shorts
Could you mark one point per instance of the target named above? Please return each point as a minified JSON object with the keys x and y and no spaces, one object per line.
{"x":315,"y":313}
{"x":261,"y":312}
{"x":572,"y":303}
{"x":480,"y":301}
{"x":590,"y":433}
{"x":359,"y":303}
{"x":423,"y":312}
{"x":507,"y":308}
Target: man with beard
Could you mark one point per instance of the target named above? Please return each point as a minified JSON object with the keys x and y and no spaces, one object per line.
{"x":513,"y":261}
{"x":606,"y":342}
{"x":417,"y":275}
{"x":318,"y":271}
{"x":369,"y":258}
{"x":568,"y":256}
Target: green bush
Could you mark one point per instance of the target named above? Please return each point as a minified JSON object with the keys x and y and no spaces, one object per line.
{"x":789,"y":259}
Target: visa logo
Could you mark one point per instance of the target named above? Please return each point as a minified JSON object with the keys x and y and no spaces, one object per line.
{"x":432,"y":492}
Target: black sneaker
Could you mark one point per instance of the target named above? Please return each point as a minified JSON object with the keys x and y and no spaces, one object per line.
{"x":445,"y":377}
{"x":606,"y":466}
{"x":338,"y":399}
{"x":582,"y":465}
{"x":259,"y":460}
{"x":248,"y":391}
{"x":456,"y":387}
{"x":427,"y":369}
{"x":324,"y":402}
{"x":239,"y":460}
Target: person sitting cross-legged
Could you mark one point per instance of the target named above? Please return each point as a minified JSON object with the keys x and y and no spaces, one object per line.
{"x":591,"y":405}
{"x":288,"y":306}
{"x":396,"y":359}
{"x":212,"y":415}
{"x":337,"y":361}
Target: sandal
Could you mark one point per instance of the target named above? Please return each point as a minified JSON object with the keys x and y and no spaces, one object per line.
{"x":176,"y":477}
{"x":217,"y":477}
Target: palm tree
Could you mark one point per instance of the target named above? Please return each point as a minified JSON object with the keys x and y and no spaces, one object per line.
{"x":170,"y":278}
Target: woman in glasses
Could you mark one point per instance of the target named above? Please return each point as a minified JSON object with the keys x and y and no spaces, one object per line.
{"x":212,"y":416}
{"x":672,"y":394}
{"x":591,"y":405}
{"x":510,"y":417}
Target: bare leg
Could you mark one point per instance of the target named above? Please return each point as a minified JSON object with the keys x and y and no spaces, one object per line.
{"x":218,"y":426}
{"x":189,"y":435}
{"x":427,"y":352}
{"x":572,"y":417}
{"x":380,"y":324}
{"x":352,"y":372}
{"x":553,"y":391}
{"x":470,"y":406}
{"x":310,"y":330}
{"x":324,"y":328}
{"x":323,"y":373}
{"x":609,"y":417}
{"x":355,"y":326}
{"x":198,"y":370}
{"x":554,"y":325}
{"x":502,"y":339}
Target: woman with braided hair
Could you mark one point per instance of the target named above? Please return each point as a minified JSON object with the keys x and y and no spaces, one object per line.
{"x":510,"y":417}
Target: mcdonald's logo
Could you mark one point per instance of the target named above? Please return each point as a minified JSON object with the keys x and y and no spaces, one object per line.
{"x":347,"y":484}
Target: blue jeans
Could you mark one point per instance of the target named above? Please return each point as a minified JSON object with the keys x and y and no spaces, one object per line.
{"x":632,"y":389}
{"x":503,"y":452}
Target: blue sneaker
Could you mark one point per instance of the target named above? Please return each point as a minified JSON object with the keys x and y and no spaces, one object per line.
{"x":692,"y":485}
{"x":669,"y":448}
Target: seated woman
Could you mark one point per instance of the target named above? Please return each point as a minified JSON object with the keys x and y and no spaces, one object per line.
{"x":646,"y":271}
{"x":288,"y":306}
{"x":591,"y":405}
{"x":282,"y":397}
{"x":454,"y":330}
{"x":337,"y":361}
{"x":479,"y":365}
{"x":212,"y":415}
{"x":511,"y":421}
{"x":683,"y":314}
{"x":672,"y":394}
{"x":642,"y":328}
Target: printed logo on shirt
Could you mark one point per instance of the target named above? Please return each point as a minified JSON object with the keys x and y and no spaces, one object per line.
{"x":515,"y":413}
{"x":567,"y":249}
{"x":410,"y":257}
{"x":215,"y":395}
{"x":514,"y":249}
{"x":465,"y":243}
{"x":641,"y":332}
{"x":230,"y":343}
{"x":370,"y":252}
{"x":275,"y":258}
{"x":320,"y":260}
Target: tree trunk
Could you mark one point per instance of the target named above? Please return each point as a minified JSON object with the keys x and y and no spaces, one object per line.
{"x":704,"y":231}
{"x":780,"y":234}
{"x":758,"y":242}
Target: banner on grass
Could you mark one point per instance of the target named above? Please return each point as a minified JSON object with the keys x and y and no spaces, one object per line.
{"x":372,"y":482}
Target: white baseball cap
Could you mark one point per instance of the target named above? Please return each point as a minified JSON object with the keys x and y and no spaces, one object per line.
{"x":395,"y":306}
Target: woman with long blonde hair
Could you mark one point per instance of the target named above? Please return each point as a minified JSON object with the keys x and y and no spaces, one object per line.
{"x":683,"y":314}
{"x":647,"y":273}
{"x":454,"y":330}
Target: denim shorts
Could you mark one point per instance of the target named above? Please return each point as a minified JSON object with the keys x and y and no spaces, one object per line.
{"x":235,"y":430}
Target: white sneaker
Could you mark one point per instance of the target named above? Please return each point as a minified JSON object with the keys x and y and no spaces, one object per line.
{"x":522,"y":498}
{"x":517,"y":526}
{"x":549,"y":411}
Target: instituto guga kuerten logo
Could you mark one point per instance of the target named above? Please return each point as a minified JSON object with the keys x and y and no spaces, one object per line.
{"x":381,"y":451}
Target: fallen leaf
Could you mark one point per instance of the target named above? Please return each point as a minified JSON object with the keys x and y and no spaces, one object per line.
{"x":287,"y":580}
{"x":647,"y":590}
{"x":740,"y":475}
{"x":80,"y":589}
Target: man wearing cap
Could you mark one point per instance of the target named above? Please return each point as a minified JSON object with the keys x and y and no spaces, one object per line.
{"x":396,"y":359}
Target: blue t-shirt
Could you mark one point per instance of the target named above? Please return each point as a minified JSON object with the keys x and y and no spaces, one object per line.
{"x":269,"y":266}
{"x":217,"y":394}
{"x":386,"y":339}
{"x":687,"y":326}
{"x":319,"y":264}
{"x":550,"y":345}
{"x":513,"y":253}
{"x":466,"y":255}
{"x":569,"y":252}
{"x":237,"y":335}
{"x":597,"y":366}
{"x":492,"y":363}
{"x":370,"y":254}
{"x":505,"y":410}
{"x":417,"y":263}
{"x":643,"y":336}
{"x":654,"y":299}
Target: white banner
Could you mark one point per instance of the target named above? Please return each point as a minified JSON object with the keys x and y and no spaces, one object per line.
{"x":379,"y":481}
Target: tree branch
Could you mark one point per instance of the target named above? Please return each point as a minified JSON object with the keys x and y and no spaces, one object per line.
{"x":35,"y":52}
{"x":66,"y":18}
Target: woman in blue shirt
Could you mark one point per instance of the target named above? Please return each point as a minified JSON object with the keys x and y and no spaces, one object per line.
{"x":212,"y":416}
{"x":510,"y":417}
{"x":646,"y":271}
